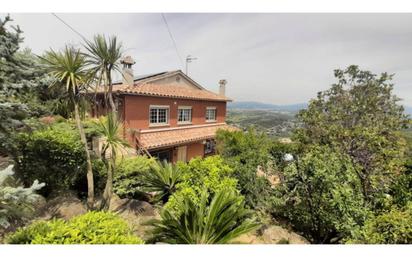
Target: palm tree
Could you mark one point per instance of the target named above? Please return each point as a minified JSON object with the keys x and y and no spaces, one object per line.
{"x":103,"y":56}
{"x":69,"y":69}
{"x":110,"y":127}
{"x":217,"y":222}
{"x":162,"y":179}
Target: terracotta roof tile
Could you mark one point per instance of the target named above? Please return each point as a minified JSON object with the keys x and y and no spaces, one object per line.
{"x":165,"y":138}
{"x":175,"y":91}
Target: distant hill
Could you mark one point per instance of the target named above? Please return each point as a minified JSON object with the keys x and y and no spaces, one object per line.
{"x":250,"y":105}
{"x":265,"y":106}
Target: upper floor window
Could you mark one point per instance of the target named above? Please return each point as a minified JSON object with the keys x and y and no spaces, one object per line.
{"x":184,"y":114}
{"x":159,"y":115}
{"x":211,"y":114}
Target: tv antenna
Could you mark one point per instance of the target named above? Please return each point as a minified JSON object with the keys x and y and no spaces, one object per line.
{"x":189,"y":59}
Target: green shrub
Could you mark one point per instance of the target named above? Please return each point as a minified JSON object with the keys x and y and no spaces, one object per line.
{"x":208,"y":175}
{"x":216,"y":220}
{"x":244,"y":152}
{"x":393,"y":227}
{"x":90,"y":228}
{"x":321,"y":195}
{"x":401,"y":190}
{"x":54,"y":155}
{"x":128,"y":181}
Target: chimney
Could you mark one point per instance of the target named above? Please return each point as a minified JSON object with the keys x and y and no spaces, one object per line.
{"x":127,"y":71}
{"x":222,"y":87}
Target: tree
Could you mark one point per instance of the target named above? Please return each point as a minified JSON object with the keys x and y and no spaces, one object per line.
{"x":104,"y":55}
{"x":69,"y":68}
{"x":16,"y":202}
{"x":110,"y":128}
{"x":359,"y":115}
{"x":321,"y":195}
{"x":20,"y":77}
{"x":218,"y":221}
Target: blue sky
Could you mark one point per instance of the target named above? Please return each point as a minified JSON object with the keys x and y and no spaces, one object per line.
{"x":273,"y":58}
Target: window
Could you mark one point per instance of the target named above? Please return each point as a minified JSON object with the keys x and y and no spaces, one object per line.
{"x":210,"y":146}
{"x":159,"y":115}
{"x":184,"y":114}
{"x":211,"y":114}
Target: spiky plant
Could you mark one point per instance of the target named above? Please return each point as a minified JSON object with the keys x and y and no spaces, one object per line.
{"x":103,"y":55}
{"x":162,"y":179}
{"x":110,"y":127}
{"x":69,"y":69}
{"x":218,"y":221}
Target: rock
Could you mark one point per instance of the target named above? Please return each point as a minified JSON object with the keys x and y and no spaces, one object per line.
{"x":136,"y":213}
{"x":64,"y":205}
{"x":272,"y":234}
{"x":276,"y":234}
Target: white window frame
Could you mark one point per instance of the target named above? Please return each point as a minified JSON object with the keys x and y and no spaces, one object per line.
{"x":178,"y":114}
{"x":206,"y":115}
{"x":155,"y":124}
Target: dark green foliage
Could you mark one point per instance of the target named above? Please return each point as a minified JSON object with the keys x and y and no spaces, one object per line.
{"x":321,"y":196}
{"x":53,"y":155}
{"x":128,"y":179}
{"x":215,"y":221}
{"x":244,"y":152}
{"x":393,"y":227}
{"x":401,"y":189}
{"x":90,"y":228}
{"x":359,"y":115}
{"x":201,"y":176}
{"x":162,"y":179}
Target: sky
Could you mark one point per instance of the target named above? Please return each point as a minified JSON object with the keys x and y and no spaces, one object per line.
{"x":271,"y":58}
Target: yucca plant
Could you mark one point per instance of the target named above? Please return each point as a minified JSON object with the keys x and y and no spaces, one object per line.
{"x":162,"y":179}
{"x":69,"y":69}
{"x":103,"y":55}
{"x":110,"y":127}
{"x":218,"y":221}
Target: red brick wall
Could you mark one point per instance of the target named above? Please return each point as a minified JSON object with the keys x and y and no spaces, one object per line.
{"x":136,"y":112}
{"x":195,"y":150}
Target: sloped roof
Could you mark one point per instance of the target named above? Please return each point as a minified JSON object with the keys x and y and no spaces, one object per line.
{"x":171,"y":137}
{"x":173,"y":91}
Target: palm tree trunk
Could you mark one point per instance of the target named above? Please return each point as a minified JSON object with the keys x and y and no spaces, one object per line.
{"x":90,"y":183}
{"x":111,"y":101}
{"x":108,"y":190}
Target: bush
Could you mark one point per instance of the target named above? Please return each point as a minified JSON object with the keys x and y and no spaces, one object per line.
{"x":394,"y":227}
{"x":244,"y":152}
{"x":90,"y":228}
{"x":199,"y":176}
{"x":401,"y":190}
{"x":128,"y":179}
{"x":321,"y":196}
{"x":16,"y":202}
{"x":54,"y":155}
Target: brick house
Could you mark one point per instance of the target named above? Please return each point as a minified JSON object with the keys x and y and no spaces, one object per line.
{"x":167,"y":114}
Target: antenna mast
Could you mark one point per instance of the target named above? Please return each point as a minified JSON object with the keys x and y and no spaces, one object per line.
{"x":189,"y":59}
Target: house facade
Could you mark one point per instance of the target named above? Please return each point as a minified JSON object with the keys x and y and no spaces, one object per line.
{"x":168,"y":115}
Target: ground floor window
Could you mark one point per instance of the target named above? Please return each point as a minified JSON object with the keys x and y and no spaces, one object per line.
{"x":210,"y":146}
{"x":162,"y":155}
